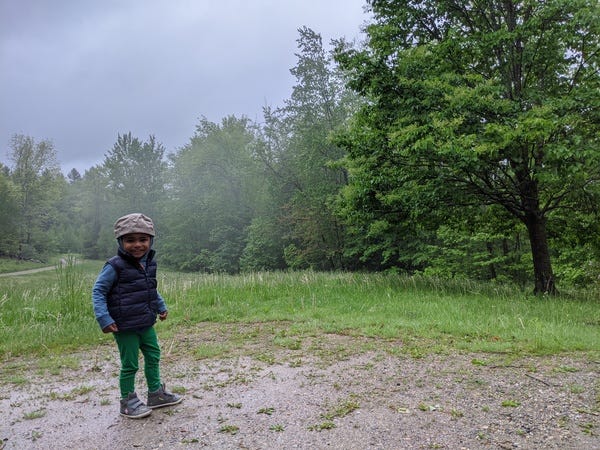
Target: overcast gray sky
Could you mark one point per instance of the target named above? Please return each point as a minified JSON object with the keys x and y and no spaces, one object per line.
{"x":79,"y":72}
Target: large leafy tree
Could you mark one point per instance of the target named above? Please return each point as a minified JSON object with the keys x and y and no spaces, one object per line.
{"x":39,"y":182}
{"x":300,"y":156}
{"x":216,"y":187}
{"x":479,"y":103}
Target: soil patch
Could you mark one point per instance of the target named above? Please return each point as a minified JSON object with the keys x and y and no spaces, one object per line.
{"x":272,"y":390}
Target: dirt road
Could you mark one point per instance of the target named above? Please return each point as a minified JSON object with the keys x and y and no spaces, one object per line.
{"x":27,"y":272}
{"x":315,"y":392}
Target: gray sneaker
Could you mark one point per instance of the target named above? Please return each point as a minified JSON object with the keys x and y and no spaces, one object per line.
{"x":133,"y":407}
{"x":161,"y":397}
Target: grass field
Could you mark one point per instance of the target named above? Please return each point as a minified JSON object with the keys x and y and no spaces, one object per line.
{"x":16,"y":265}
{"x":51,"y":312}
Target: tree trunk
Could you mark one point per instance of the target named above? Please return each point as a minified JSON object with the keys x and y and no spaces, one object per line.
{"x":542,"y":268}
{"x":492,"y":267}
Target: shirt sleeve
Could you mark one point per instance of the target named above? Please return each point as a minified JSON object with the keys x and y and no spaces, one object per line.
{"x":162,"y":305}
{"x":100,"y":291}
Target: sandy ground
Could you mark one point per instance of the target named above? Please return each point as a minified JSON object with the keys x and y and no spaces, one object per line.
{"x":313,"y":392}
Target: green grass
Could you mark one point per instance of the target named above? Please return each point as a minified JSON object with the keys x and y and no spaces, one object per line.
{"x":15,"y":265}
{"x":51,"y":312}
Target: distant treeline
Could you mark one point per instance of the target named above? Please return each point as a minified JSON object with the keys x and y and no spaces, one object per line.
{"x":453,"y":142}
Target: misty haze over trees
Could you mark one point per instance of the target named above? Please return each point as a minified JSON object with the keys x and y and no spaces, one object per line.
{"x":455,"y":142}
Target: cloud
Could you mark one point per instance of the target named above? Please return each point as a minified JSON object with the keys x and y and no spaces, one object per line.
{"x":80,"y":72}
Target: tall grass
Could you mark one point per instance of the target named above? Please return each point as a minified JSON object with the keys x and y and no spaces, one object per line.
{"x":53,"y":312}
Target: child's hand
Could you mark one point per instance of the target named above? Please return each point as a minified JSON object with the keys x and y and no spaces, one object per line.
{"x":163,"y":315}
{"x":112,"y":328}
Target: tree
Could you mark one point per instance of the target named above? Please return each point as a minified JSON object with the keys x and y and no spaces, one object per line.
{"x":96,"y":213}
{"x":479,"y":103}
{"x":302,"y":159}
{"x":136,"y":174}
{"x":36,"y":175}
{"x":9,"y":212}
{"x":73,"y":176}
{"x":263,"y":249}
{"x":217,"y":187}
{"x":130,"y":179}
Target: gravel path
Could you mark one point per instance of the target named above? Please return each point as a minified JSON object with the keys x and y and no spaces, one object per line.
{"x":312,"y":392}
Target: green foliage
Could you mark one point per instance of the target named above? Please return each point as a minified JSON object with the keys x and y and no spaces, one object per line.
{"x":471,"y":107}
{"x":95,"y":216}
{"x":38,"y":188}
{"x":575,"y":240}
{"x":131,"y":178}
{"x":8,"y":215}
{"x":302,"y":159}
{"x":466,"y":132}
{"x":136,"y":171}
{"x":263,"y":250}
{"x":485,"y":245}
{"x":217,"y":189}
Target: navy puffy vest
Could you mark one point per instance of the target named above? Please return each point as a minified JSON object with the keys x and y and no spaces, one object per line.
{"x":132,"y":301}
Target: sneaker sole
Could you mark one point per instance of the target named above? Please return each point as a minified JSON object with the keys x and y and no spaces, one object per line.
{"x":138,"y":416}
{"x":166,"y":404}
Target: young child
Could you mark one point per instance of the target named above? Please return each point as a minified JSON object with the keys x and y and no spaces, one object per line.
{"x":126,"y":303}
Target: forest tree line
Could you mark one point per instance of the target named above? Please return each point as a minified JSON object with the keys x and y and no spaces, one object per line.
{"x":456,"y":140}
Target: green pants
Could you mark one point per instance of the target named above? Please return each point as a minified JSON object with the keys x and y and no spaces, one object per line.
{"x":130,"y":343}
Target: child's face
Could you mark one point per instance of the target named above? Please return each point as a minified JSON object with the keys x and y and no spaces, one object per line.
{"x":136,"y":244}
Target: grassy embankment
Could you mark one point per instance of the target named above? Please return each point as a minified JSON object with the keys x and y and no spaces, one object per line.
{"x":50,"y":312}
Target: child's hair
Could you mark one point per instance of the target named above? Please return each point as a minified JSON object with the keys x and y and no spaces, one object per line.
{"x":134,"y":223}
